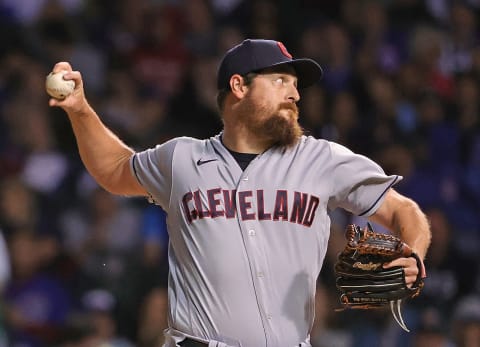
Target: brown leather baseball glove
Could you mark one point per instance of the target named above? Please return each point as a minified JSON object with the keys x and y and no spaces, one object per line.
{"x":363,"y":281}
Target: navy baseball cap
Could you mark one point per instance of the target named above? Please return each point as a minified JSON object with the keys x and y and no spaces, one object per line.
{"x":255,"y":55}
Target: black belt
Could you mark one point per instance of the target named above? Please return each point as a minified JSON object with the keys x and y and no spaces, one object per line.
{"x":192,"y":343}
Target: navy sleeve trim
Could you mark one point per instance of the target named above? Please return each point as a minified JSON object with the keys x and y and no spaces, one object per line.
{"x":134,"y":168}
{"x":149,"y":198}
{"x":381,"y":195}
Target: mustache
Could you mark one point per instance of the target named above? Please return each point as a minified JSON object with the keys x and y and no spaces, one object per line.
{"x":288,"y":106}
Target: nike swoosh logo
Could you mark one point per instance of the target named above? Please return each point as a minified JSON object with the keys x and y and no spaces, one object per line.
{"x":201,"y":162}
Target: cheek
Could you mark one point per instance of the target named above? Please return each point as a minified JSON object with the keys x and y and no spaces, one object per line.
{"x":264,"y":96}
{"x":260,"y":104}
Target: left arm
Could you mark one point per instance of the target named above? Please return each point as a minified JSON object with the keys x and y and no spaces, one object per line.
{"x":404,"y":218}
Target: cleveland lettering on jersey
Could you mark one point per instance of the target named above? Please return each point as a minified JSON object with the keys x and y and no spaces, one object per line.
{"x":217,"y":202}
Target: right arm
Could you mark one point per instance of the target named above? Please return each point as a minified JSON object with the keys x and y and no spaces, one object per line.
{"x":104,"y":155}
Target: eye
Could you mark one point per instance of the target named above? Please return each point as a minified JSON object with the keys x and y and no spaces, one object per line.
{"x":279,"y":80}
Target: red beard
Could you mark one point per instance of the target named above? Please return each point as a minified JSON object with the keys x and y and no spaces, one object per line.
{"x":274,"y":127}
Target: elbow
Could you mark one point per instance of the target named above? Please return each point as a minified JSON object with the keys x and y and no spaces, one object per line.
{"x":117,"y":179}
{"x":118,"y":184}
{"x":121,"y":188}
{"x":108,"y":182}
{"x":406,"y":206}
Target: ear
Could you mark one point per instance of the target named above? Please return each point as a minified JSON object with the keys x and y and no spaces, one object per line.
{"x":239,"y":89}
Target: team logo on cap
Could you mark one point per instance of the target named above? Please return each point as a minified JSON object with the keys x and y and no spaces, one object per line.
{"x":284,"y":50}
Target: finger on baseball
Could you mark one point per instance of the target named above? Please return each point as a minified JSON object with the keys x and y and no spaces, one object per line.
{"x":75,"y":76}
{"x":52,"y":102}
{"x":55,"y":102}
{"x":63,"y":65}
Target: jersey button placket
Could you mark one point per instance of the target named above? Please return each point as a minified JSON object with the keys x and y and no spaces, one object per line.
{"x":256,"y":254}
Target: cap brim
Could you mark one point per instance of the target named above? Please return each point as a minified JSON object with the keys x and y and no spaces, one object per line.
{"x":308,"y":71}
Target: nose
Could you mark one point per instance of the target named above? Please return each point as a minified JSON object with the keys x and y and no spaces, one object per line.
{"x":293,"y":95}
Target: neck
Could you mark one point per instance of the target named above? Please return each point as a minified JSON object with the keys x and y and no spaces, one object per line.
{"x":239,"y":139}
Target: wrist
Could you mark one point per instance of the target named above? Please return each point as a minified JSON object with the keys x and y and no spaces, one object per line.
{"x":83,"y":110}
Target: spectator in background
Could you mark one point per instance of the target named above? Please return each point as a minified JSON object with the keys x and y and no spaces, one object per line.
{"x":122,"y":102}
{"x":36,"y":304}
{"x":103,"y":237}
{"x":103,"y":252}
{"x":201,"y":33}
{"x":385,"y":44}
{"x":58,"y":35}
{"x":99,"y":306}
{"x":124,"y":31}
{"x":264,"y":19}
{"x":28,"y":12}
{"x":425,"y":49}
{"x":466,"y":322}
{"x":450,"y":270}
{"x":144,"y":272}
{"x":160,"y":59}
{"x":314,"y":116}
{"x":18,"y":206}
{"x":466,"y":110}
{"x":311,"y":43}
{"x":379,"y":127}
{"x":228,"y":35}
{"x":143,"y":119}
{"x":460,"y":39}
{"x":45,"y":167}
{"x":344,"y":122}
{"x":432,"y":331}
{"x":155,"y":238}
{"x":200,"y":91}
{"x":153,"y":318}
{"x":338,"y":52}
{"x":93,"y":324}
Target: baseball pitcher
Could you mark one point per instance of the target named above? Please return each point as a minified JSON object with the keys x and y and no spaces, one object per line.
{"x":247,"y":208}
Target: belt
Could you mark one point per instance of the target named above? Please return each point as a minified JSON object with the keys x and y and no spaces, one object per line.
{"x":192,"y":343}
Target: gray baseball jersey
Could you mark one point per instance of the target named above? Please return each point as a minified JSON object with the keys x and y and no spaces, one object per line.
{"x":246,"y":247}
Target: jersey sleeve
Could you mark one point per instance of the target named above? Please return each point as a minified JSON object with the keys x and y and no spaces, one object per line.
{"x":153,"y":170}
{"x":359,"y":184}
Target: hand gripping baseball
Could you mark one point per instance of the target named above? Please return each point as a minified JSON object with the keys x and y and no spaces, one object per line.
{"x":72,"y":100}
{"x":362,"y":278}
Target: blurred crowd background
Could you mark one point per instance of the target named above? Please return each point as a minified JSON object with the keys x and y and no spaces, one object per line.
{"x":80,"y":267}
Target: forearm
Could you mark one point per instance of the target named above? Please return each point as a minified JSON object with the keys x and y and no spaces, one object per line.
{"x":104,"y":155}
{"x":402,"y":216}
{"x":413,"y":227}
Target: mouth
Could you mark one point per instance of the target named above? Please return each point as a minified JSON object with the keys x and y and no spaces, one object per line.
{"x":288,"y":113}
{"x":289,"y":107}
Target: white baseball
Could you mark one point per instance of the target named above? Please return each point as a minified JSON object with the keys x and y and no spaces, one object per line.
{"x":57,"y":87}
